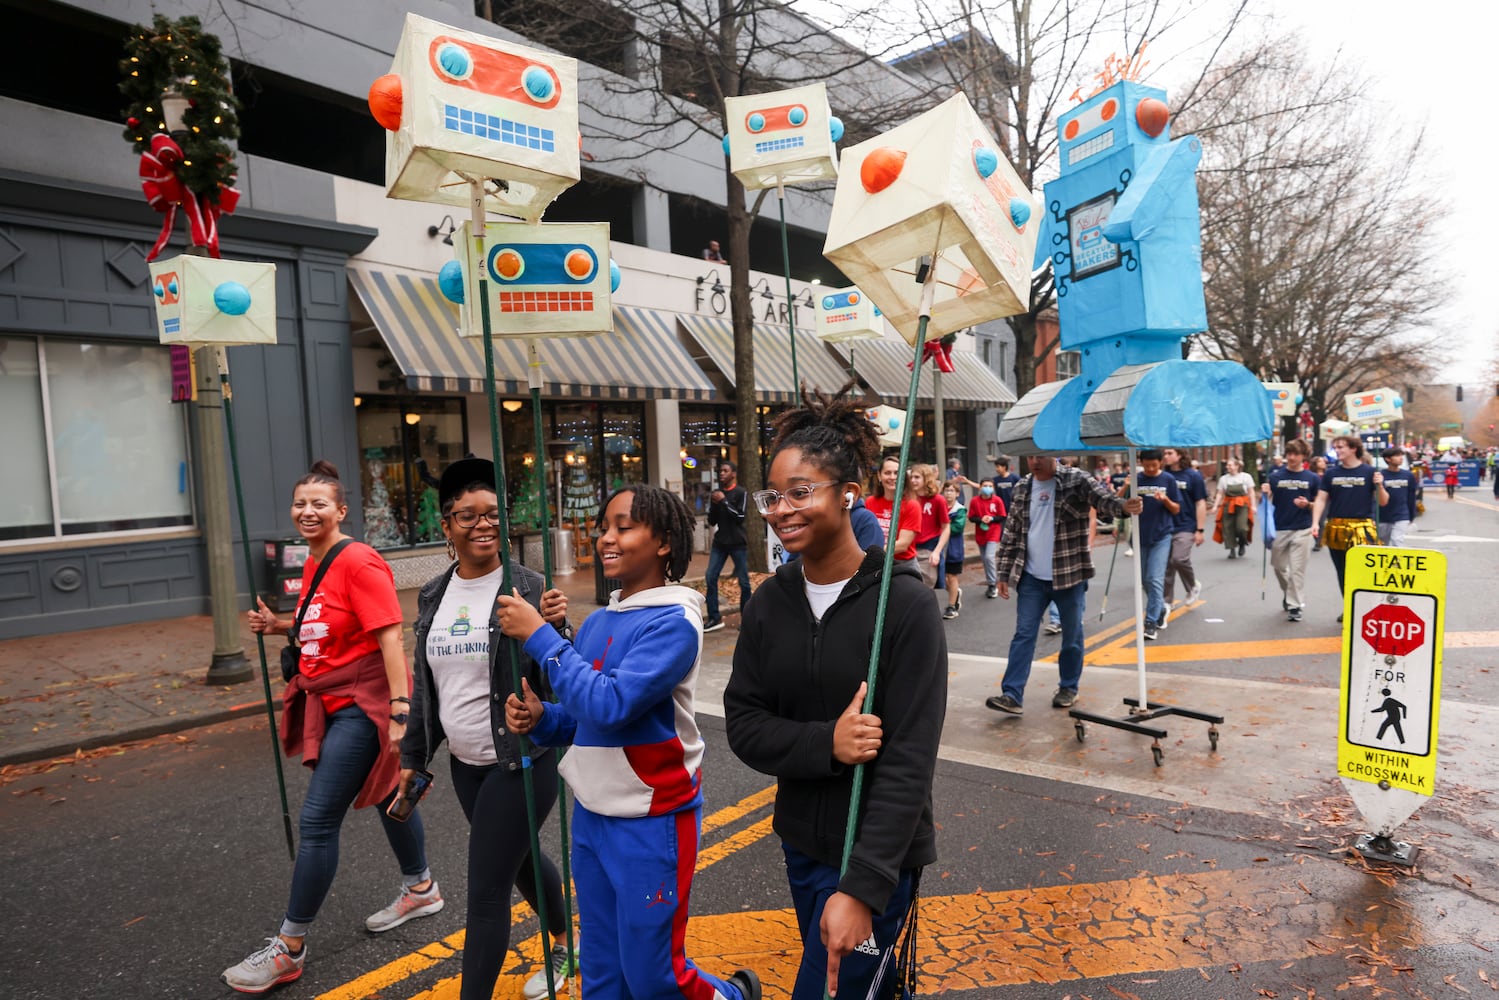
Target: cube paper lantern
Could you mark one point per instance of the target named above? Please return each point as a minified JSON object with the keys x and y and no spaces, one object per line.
{"x":935,"y":185}
{"x":1376,"y":404}
{"x":550,"y":280}
{"x":847,"y":314}
{"x":202,"y":301}
{"x":781,"y":138}
{"x":1285,"y":397}
{"x":889,"y":422}
{"x":458,"y":104}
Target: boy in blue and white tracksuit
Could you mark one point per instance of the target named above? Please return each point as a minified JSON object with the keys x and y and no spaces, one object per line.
{"x":625,"y":703}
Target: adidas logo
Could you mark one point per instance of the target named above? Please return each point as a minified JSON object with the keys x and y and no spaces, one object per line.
{"x":868,"y":947}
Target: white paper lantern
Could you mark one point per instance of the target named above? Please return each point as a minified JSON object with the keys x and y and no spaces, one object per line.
{"x":548,"y":280}
{"x":203,"y":301}
{"x":847,"y":314}
{"x":457,"y":104}
{"x":1285,"y":397}
{"x":936,"y":184}
{"x":781,"y":138}
{"x":890,"y":422}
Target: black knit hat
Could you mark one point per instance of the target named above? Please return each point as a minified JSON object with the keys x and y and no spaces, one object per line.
{"x":463,"y":473}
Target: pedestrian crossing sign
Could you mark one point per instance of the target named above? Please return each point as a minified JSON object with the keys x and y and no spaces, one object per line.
{"x":1392,"y":667}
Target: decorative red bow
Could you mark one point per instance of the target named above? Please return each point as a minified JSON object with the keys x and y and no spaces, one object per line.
{"x":938,"y":353}
{"x":165,"y":192}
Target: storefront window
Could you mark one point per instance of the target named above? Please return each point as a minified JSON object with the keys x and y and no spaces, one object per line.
{"x":400,"y":508}
{"x":708,"y":437}
{"x":624,"y":445}
{"x":117,"y":455}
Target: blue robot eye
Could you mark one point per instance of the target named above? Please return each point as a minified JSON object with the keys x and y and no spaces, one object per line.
{"x":796,"y":115}
{"x":835,"y":128}
{"x":161,"y":292}
{"x":756,"y":122}
{"x":538,"y":83}
{"x":985,"y":161}
{"x":828,"y":302}
{"x":172,"y":286}
{"x":455,"y":61}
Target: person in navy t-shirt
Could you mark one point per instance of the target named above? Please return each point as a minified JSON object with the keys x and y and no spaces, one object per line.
{"x":1352,"y":490}
{"x":1188,"y":528}
{"x":1293,"y":492}
{"x":1004,"y":484}
{"x":1396,"y":516}
{"x":1163,"y":502}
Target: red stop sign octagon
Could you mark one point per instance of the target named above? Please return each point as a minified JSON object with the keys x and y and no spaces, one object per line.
{"x":1392,"y":629}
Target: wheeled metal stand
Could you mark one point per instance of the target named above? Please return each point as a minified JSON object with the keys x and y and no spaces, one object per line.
{"x":1135,"y":721}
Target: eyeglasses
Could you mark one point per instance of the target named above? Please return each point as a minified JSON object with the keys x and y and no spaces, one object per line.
{"x":798,"y":497}
{"x":469,"y":518}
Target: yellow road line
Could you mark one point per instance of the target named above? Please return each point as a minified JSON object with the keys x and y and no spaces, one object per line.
{"x":1476,"y":503}
{"x":1123,"y":653}
{"x":372,"y":982}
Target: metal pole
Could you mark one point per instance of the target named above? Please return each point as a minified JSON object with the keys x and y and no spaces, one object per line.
{"x":221,"y":361}
{"x":939,"y":424}
{"x":507,"y":584}
{"x":796,"y":382}
{"x":1138,"y":579}
{"x":229,"y":664}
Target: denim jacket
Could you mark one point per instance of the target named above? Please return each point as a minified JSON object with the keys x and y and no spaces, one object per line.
{"x":424,"y":732}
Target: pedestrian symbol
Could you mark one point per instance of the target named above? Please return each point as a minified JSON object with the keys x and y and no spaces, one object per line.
{"x":1394,"y":711}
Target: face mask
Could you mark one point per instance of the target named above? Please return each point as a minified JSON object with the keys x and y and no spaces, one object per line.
{"x":987,"y":491}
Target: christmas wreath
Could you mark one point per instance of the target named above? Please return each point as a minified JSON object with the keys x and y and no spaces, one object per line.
{"x":193,"y":167}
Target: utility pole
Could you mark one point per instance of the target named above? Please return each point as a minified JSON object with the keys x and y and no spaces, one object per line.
{"x":229,"y":664}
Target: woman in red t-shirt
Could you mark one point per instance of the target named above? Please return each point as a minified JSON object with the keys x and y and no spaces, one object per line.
{"x":881,"y":501}
{"x":931,"y":540}
{"x":344,"y":712}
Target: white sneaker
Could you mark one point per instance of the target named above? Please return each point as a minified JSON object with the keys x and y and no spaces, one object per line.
{"x":1052,"y":628}
{"x":268,"y":967}
{"x":562,"y":968}
{"x":1194,"y":593}
{"x":407,"y":906}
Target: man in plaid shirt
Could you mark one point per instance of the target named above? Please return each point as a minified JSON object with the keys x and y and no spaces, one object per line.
{"x":1044,"y":555}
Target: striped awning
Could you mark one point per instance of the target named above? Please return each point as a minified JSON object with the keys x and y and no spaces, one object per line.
{"x":884,"y":365}
{"x":640,"y":359}
{"x":817,"y":369}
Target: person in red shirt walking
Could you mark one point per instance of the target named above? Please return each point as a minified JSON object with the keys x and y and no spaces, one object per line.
{"x":986,"y":512}
{"x":881,"y":504}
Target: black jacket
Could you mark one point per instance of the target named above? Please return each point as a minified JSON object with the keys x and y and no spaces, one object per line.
{"x":793,"y":677}
{"x":727,"y":515}
{"x":424,"y":732}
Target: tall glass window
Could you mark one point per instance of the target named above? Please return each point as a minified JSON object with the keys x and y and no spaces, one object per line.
{"x":93,"y":441}
{"x":400,"y":507}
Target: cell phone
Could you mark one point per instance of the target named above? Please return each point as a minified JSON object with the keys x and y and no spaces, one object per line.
{"x":402,"y":806}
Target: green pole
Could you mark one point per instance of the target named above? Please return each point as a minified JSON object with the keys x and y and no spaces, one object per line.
{"x":507,"y":584}
{"x":244,"y":537}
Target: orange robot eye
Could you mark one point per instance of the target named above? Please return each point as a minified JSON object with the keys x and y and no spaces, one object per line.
{"x":579,"y":265}
{"x":1070,"y":132}
{"x":508,"y":264}
{"x":1109,"y":110}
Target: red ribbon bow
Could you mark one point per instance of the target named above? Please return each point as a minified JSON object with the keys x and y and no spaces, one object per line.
{"x":939,"y":354}
{"x":166,"y":193}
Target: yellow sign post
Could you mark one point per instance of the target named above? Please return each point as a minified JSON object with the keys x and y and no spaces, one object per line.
{"x":1393,"y":613}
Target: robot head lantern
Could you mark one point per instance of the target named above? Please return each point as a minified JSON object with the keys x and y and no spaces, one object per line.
{"x":459,"y":104}
{"x":847,"y":314}
{"x":545,"y":280}
{"x":204,"y":301}
{"x":781,"y":138}
{"x":935,"y":185}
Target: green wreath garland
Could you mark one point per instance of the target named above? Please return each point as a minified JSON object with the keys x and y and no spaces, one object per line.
{"x":179,"y":55}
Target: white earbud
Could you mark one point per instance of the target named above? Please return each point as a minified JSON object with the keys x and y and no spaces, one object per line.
{"x":848,"y":500}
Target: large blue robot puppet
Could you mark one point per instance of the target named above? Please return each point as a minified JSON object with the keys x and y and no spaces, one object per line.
{"x":1122,"y":229}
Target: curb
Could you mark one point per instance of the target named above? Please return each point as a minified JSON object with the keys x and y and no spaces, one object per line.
{"x":144,"y":731}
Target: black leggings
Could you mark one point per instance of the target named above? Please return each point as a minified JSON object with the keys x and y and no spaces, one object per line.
{"x":499,"y":856}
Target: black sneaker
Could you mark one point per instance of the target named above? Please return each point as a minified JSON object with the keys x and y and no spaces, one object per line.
{"x":712,"y":624}
{"x":950,"y":612}
{"x":1293,"y":615}
{"x":1004,"y":703}
{"x":1064,"y":698}
{"x":992,"y":592}
{"x":747,"y":983}
{"x":1150,"y":631}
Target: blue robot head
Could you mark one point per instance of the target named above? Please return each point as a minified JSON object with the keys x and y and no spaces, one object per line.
{"x":1124,"y":114}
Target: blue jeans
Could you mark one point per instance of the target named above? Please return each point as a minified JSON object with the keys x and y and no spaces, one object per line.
{"x":1031,"y":598}
{"x":988,"y":551}
{"x":1055,"y":616}
{"x":812,"y":884}
{"x":716,"y":559}
{"x":350,"y":748}
{"x":1156,"y":556}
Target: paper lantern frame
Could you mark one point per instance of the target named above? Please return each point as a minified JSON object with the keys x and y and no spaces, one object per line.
{"x":207,"y":301}
{"x":784,"y":137}
{"x":925,"y":191}
{"x":475,"y":106}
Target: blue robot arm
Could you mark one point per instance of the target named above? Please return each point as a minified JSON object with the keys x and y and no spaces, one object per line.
{"x":1154,"y":190}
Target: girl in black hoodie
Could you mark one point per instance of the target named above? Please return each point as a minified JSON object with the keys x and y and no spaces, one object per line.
{"x":793,"y":705}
